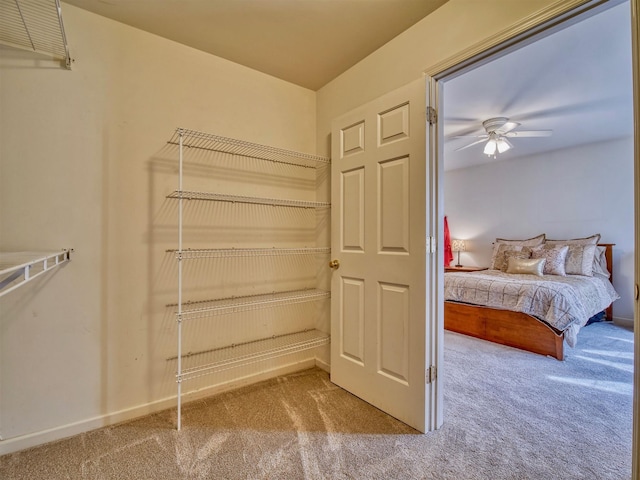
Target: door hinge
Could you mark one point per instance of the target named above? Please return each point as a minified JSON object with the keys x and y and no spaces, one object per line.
{"x":431,"y":244}
{"x":432,"y":115}
{"x":432,"y":374}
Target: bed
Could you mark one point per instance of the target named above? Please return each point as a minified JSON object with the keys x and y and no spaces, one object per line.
{"x":533,"y":313}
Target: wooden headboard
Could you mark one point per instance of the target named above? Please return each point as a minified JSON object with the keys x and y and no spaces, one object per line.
{"x":608,"y":253}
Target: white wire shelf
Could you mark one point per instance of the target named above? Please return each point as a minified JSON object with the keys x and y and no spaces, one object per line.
{"x":225,"y":306}
{"x":34,"y":25}
{"x":220,"y":197}
{"x":193,"y":253}
{"x":250,"y":352}
{"x":18,"y":268}
{"x":216,"y":143}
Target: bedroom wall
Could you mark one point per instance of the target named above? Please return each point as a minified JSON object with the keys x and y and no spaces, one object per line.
{"x":567,"y":193}
{"x":84,"y":164}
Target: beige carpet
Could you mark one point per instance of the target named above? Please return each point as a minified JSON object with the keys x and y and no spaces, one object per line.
{"x":509,"y":415}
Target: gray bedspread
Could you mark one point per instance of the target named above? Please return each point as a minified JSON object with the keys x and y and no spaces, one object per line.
{"x":565,"y":303}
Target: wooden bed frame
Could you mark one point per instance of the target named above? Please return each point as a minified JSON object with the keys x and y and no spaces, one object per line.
{"x":514,"y":329}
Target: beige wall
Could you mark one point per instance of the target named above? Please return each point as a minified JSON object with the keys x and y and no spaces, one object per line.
{"x":83,"y":164}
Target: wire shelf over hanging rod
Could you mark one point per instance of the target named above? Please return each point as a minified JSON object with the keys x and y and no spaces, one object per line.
{"x":35,"y":25}
{"x":18,"y":268}
{"x":216,"y":143}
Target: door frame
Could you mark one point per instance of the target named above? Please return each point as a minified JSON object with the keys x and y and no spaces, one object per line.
{"x":548,"y":20}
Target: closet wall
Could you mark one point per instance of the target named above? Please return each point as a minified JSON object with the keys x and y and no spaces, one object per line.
{"x":84,"y":164}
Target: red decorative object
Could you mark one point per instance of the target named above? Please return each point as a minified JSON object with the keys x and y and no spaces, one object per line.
{"x":448,"y":254}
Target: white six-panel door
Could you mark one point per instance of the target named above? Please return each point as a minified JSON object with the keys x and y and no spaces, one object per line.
{"x":379,"y":334}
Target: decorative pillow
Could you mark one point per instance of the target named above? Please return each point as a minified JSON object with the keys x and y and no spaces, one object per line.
{"x":555,"y":258}
{"x":580,"y":260}
{"x":600,"y":262}
{"x":523,"y":254}
{"x":529,"y":242}
{"x":531,"y":266}
{"x":581,"y":254}
{"x":592,"y":240}
{"x":499,"y":259}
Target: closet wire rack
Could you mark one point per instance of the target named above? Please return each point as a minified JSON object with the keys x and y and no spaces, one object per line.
{"x":246,"y":353}
{"x":18,"y":268}
{"x":207,"y":141}
{"x":220,"y":197}
{"x":36,"y":26}
{"x":222,"y":306}
{"x":257,"y":350}
{"x":194,"y":253}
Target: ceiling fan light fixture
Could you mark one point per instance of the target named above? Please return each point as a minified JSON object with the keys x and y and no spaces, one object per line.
{"x":490,"y":147}
{"x":502,"y":145}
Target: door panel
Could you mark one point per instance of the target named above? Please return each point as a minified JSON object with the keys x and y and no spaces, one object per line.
{"x":352,"y":319}
{"x":352,"y":219}
{"x":393,"y":331}
{"x":393,"y":205}
{"x":380,"y":335}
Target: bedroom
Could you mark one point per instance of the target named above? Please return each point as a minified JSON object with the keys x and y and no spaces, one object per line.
{"x":104,"y":337}
{"x":580,"y":111}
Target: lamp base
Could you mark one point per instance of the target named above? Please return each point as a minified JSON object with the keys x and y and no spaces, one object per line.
{"x":458,"y":266}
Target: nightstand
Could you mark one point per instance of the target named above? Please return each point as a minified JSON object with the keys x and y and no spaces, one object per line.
{"x":464,"y":269}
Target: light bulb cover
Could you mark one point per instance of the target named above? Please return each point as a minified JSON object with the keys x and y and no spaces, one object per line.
{"x":503,"y":146}
{"x":490,"y":147}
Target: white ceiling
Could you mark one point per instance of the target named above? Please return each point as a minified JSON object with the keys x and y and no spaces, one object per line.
{"x":306,"y":42}
{"x":576,"y":82}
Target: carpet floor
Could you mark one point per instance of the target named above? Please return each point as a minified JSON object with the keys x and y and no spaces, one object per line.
{"x":508,"y":415}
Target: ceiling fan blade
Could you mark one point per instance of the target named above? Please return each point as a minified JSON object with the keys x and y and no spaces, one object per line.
{"x":529,"y":133}
{"x":469,"y":145}
{"x":507,"y":127}
{"x":506,"y":140}
{"x":469,"y":136}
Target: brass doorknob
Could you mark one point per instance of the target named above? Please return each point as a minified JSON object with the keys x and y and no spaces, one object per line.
{"x":335,"y":264}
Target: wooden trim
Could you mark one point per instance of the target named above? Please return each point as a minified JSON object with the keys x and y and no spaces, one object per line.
{"x":513,"y":329}
{"x":608,"y":253}
{"x":529,"y":26}
{"x":635,"y":61}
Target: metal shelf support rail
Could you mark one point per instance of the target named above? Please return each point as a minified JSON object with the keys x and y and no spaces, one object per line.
{"x":14,"y":265}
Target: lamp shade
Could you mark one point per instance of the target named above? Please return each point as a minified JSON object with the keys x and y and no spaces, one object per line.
{"x":457,"y":245}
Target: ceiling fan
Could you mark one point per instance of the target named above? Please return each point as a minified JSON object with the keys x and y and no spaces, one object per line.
{"x":499,"y":130}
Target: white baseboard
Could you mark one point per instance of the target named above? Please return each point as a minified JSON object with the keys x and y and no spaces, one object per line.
{"x":22,"y":442}
{"x":323,"y":365}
